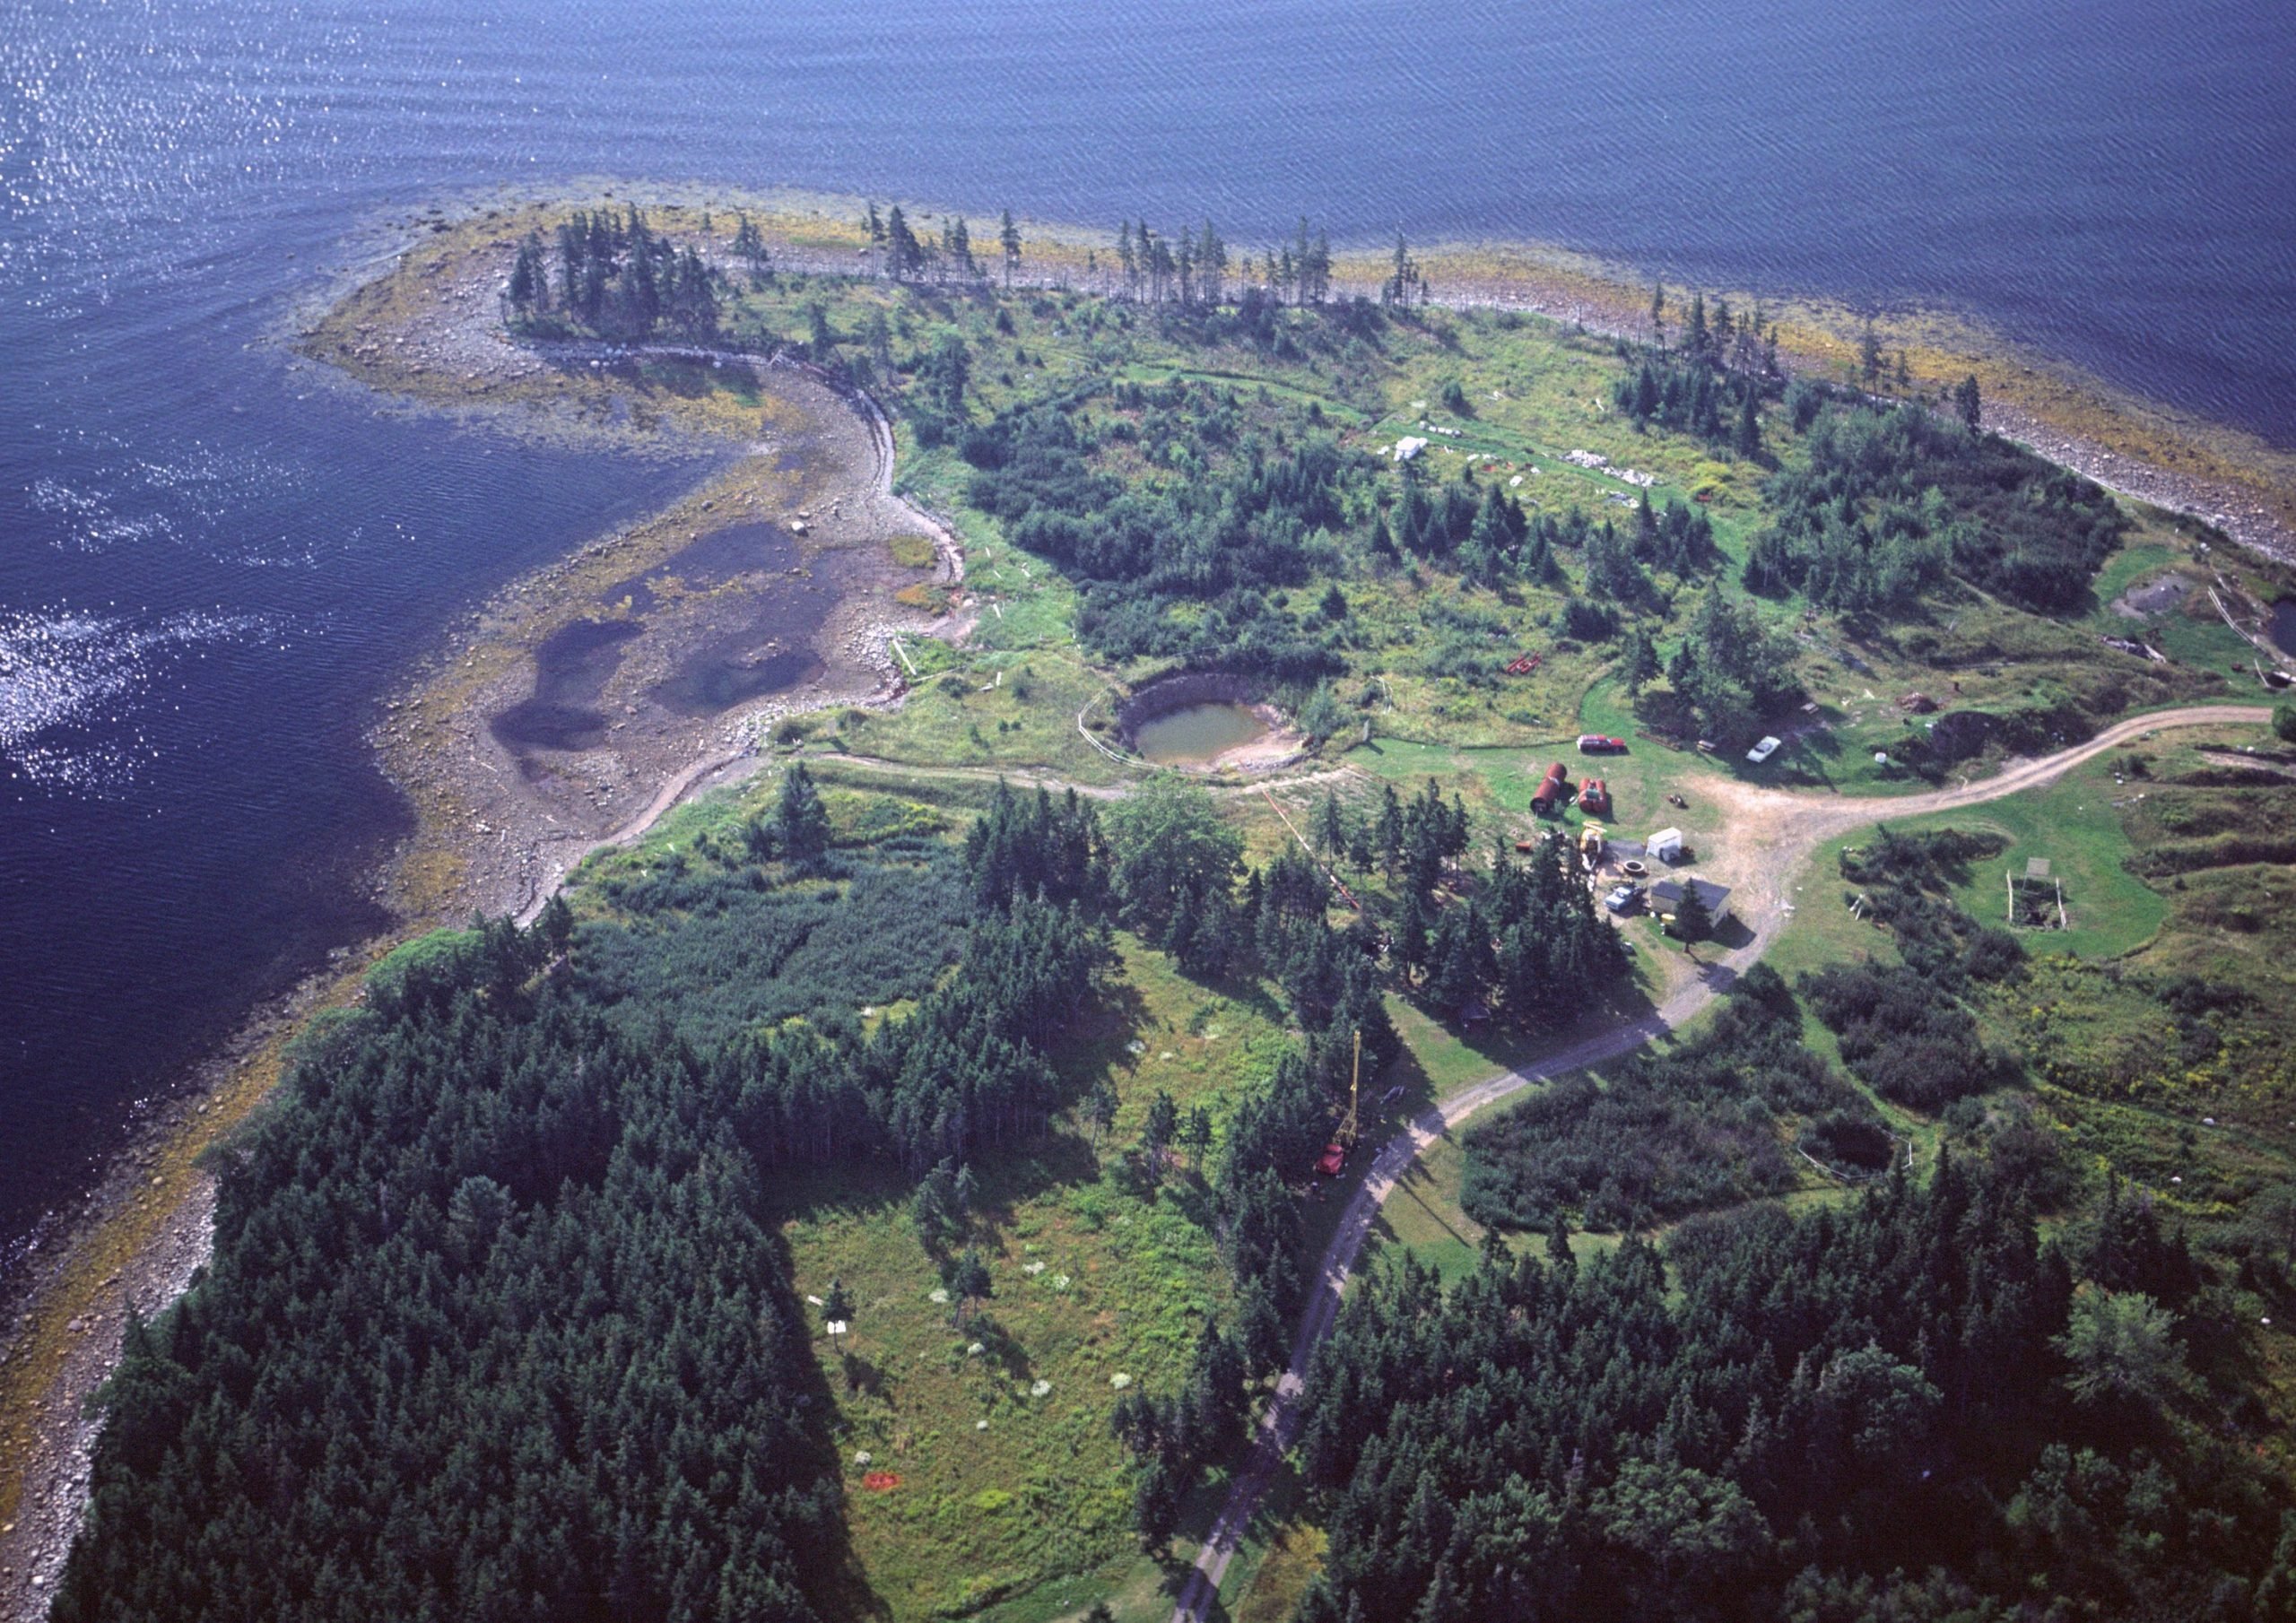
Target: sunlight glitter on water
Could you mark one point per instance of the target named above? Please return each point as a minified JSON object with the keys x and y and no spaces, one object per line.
{"x":76,"y":687}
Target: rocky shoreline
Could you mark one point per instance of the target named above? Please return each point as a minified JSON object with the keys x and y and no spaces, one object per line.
{"x":498,"y":825}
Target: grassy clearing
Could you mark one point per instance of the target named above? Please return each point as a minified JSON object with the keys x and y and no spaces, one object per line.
{"x":1093,"y":1278}
{"x":2075,"y":827}
{"x":1423,"y":1217}
{"x":1027,"y":1519}
{"x":992,"y":709}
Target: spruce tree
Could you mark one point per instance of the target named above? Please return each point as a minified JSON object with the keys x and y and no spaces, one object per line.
{"x":1008,"y":237}
{"x":1693,"y":921}
{"x":1967,"y":401}
{"x":800,"y":821}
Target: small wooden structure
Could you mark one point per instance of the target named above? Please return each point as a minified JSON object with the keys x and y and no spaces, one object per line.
{"x":1666,"y":898}
{"x":2035,"y":910}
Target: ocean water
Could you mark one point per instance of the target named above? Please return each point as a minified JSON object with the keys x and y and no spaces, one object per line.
{"x":212,"y":564}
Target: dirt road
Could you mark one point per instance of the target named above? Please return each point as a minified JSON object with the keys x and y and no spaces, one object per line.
{"x":1772,"y":828}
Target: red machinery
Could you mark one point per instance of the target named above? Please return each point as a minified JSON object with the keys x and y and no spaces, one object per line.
{"x":1524,"y":666}
{"x":1334,"y":1159}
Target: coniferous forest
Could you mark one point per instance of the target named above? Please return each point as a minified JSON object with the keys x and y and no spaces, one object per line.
{"x":504,"y":1317}
{"x":497,"y":1325}
{"x":1910,"y":1408}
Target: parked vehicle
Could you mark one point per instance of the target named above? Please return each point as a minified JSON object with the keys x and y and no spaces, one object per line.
{"x":1596,"y":743}
{"x":1624,"y":898}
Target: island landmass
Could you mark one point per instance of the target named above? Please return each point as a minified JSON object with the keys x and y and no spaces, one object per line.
{"x":985,"y":511}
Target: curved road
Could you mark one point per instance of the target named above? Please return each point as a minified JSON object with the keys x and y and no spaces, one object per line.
{"x":1802,"y":822}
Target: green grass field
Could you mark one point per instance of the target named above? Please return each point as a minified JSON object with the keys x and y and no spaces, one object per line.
{"x":1013,"y":1502}
{"x":1011,"y":1489}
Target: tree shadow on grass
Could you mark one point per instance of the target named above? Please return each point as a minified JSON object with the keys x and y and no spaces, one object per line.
{"x":1408,"y":1187}
{"x":1000,"y":1348}
{"x":1509,"y":1047}
{"x":833,"y":1576}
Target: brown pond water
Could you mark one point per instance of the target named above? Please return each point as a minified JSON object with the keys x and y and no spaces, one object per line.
{"x":1198,"y":732}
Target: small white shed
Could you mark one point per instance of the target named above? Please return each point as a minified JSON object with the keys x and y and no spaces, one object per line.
{"x":1666,"y":845}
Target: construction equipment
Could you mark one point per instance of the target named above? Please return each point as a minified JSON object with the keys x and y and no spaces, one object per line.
{"x":1334,"y":1156}
{"x":1524,"y":666}
{"x":1595,"y":797}
{"x":1591,"y":840}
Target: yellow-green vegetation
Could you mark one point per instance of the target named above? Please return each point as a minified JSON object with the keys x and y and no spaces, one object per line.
{"x":911,"y":551}
{"x":984,"y":709}
{"x":1097,"y":1286}
{"x":1143,"y":487}
{"x":1168,"y":399}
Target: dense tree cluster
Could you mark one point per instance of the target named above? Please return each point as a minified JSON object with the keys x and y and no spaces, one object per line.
{"x":1694,"y":398}
{"x":966,"y":1072}
{"x":1729,"y":672}
{"x":1710,"y":385}
{"x":1887,"y":503}
{"x":495,"y":1326}
{"x":1675,"y":1130}
{"x":1903,"y":1408}
{"x":1226,"y":539}
{"x":1529,"y":941}
{"x":493,"y":1329}
{"x":1904,"y":1028}
{"x":614,"y":277}
{"x":1037,"y":846}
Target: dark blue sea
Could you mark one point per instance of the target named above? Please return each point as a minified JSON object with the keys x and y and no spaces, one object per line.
{"x":212,"y":566}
